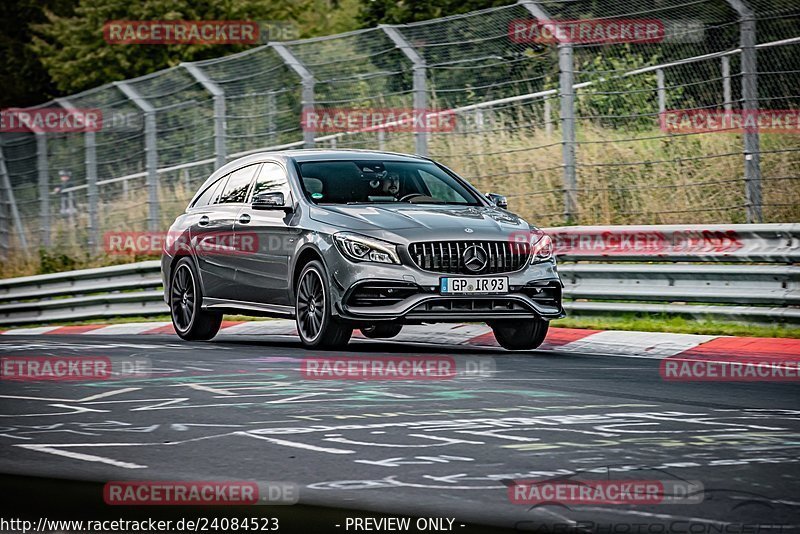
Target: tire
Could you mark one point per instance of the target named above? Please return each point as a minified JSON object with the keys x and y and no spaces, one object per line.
{"x":190,"y":321}
{"x":520,"y":335}
{"x":317,"y":327}
{"x":381,"y":331}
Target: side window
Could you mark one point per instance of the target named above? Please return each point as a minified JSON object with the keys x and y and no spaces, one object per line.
{"x":208,"y":195}
{"x":237,"y":186}
{"x":271,"y":179}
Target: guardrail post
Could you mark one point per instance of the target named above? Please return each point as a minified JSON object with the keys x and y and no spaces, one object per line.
{"x":11,"y":201}
{"x":567,"y":97}
{"x":218,"y":94}
{"x":307,"y":81}
{"x":151,"y":152}
{"x":90,"y":162}
{"x":43,"y":170}
{"x":752,"y":151}
{"x":727,"y":99}
{"x":420,"y":86}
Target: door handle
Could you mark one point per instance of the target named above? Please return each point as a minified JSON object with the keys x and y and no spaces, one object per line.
{"x":244,"y":218}
{"x":204,"y":220}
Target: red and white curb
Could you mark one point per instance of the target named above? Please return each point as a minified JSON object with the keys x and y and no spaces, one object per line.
{"x":657,"y":345}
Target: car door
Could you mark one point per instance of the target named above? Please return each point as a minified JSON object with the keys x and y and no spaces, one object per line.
{"x":263,"y":275}
{"x":213,"y":237}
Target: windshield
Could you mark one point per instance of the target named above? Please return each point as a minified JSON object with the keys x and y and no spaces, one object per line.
{"x":375,"y":181}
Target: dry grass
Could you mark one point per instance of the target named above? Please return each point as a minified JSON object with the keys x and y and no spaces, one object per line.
{"x":651,"y":179}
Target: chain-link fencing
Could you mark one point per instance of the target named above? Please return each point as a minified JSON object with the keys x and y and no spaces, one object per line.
{"x":579,"y":111}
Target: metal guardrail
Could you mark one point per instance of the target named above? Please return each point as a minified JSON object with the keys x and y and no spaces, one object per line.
{"x":742,"y":272}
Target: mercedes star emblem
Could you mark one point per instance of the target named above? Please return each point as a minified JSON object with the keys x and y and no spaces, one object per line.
{"x":475,"y":258}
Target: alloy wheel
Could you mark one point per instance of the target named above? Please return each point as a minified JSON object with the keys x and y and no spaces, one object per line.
{"x":182,"y":299}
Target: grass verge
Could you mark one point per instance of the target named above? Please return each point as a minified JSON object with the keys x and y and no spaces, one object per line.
{"x":678,"y":325}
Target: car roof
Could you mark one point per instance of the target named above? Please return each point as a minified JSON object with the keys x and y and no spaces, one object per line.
{"x":304,"y":155}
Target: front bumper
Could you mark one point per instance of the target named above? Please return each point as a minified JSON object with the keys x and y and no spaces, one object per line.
{"x":374,"y":292}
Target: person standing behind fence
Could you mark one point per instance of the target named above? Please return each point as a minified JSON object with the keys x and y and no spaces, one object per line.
{"x":67,"y":201}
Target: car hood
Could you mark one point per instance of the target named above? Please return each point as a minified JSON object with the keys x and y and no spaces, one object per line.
{"x":414,"y":220}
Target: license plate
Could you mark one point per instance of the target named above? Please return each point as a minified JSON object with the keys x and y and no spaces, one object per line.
{"x":449,"y":285}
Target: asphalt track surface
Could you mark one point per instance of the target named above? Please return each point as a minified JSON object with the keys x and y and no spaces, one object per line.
{"x":238,"y":408}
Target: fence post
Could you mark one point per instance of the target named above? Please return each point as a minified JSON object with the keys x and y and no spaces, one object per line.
{"x":5,"y":204}
{"x":727,"y":99}
{"x":420,"y":83}
{"x":218,"y":94}
{"x":151,"y":152}
{"x":662,"y":92}
{"x":548,"y":117}
{"x":43,"y":170}
{"x":12,"y":204}
{"x":90,"y":162}
{"x":272,"y":109}
{"x":567,"y":97}
{"x":307,"y":80}
{"x":752,"y":151}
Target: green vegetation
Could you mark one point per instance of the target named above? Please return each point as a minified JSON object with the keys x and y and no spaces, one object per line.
{"x":680,"y":325}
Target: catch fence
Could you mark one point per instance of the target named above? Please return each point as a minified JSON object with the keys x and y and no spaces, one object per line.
{"x":574,"y":128}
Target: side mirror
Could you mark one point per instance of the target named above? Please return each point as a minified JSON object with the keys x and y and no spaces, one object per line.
{"x":498,"y":200}
{"x":270,"y":201}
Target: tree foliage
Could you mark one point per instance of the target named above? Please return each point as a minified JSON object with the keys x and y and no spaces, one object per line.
{"x":23,"y":78}
{"x":374,"y":12}
{"x":73,"y":51}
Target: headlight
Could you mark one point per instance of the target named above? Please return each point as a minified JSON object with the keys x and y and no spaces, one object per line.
{"x":541,"y":246}
{"x":361,"y":248}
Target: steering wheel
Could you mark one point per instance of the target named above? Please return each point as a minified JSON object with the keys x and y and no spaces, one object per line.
{"x":410,"y":196}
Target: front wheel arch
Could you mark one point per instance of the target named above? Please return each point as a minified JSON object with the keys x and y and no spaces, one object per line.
{"x":307,"y":255}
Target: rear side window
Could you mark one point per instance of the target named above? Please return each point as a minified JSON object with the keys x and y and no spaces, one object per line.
{"x":208,"y":195}
{"x":238,"y":184}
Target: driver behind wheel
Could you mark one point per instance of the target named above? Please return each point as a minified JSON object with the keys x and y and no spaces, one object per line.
{"x":387,"y":185}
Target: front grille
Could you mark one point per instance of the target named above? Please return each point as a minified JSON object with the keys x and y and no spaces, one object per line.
{"x":448,"y":256}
